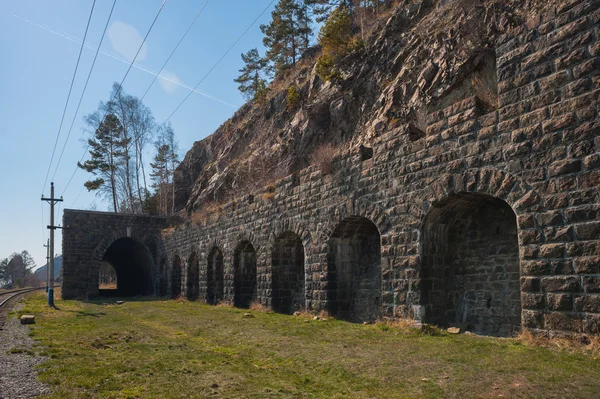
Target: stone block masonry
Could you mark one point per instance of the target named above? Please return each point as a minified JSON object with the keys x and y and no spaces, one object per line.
{"x":130,"y":243}
{"x":489,"y":222}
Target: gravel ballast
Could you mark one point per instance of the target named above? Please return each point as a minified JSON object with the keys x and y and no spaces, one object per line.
{"x":18,"y":376}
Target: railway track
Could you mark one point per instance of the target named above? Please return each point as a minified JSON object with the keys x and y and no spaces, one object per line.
{"x":8,"y":298}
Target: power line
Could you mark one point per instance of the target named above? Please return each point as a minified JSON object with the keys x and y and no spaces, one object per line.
{"x":175,"y":49}
{"x":85,"y":87}
{"x":220,"y":59}
{"x":122,"y":81}
{"x":69,"y":95}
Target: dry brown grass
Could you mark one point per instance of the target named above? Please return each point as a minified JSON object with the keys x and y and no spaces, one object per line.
{"x":209,"y":209}
{"x":396,"y":324}
{"x":259,"y":307}
{"x":323,"y":314}
{"x":224,"y":304}
{"x":108,"y":286}
{"x":576,"y":343}
{"x":323,"y":158}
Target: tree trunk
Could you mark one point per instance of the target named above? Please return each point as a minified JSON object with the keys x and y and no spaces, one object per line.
{"x":137,"y":173}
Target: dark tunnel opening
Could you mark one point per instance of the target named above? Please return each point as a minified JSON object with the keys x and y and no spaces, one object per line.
{"x":133,"y":266}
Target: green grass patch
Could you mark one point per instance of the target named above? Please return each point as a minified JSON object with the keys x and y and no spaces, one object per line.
{"x":169,"y":349}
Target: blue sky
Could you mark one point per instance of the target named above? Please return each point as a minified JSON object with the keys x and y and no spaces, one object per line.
{"x":40,"y":41}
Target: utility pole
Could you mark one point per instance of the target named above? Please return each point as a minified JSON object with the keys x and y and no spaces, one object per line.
{"x":52,"y":201}
{"x":47,"y":246}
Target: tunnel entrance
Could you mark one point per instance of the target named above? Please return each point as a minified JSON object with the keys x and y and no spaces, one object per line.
{"x":132,"y":264}
{"x":214,"y":278}
{"x":244,"y":264}
{"x":288,"y":273}
{"x":193,"y":277}
{"x":107,"y":278}
{"x":354,"y":270}
{"x":176,"y":277}
{"x":162,"y":278}
{"x":470,"y":273}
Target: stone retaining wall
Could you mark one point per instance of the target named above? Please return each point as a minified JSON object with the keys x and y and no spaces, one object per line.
{"x":487,"y":221}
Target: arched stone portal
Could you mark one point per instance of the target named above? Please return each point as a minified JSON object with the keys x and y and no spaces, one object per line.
{"x":162,"y":278}
{"x":354,"y":270}
{"x":214,"y":276}
{"x":193,"y":277}
{"x":176,"y":277}
{"x":244,"y":264}
{"x":133,"y":265}
{"x":287,"y":260}
{"x":470,"y":273}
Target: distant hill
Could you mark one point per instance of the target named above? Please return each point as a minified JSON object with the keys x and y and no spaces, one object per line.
{"x":41,"y":272}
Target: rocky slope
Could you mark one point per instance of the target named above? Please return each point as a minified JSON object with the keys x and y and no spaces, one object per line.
{"x":421,"y":56}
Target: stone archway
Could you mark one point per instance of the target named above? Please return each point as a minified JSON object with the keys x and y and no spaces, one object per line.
{"x":287,"y":267}
{"x":176,"y":277}
{"x":162,"y":277}
{"x":245,"y":274}
{"x":470,"y":265}
{"x":133,"y":265}
{"x":215,"y":276}
{"x":193,"y":277}
{"x":354,"y":270}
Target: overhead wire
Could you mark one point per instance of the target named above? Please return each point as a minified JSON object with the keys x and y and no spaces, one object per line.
{"x":85,"y":87}
{"x":175,"y":49}
{"x":123,"y":80}
{"x":69,"y":95}
{"x":219,"y":61}
{"x":200,"y":82}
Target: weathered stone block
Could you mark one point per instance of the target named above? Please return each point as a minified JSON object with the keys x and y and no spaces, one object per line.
{"x":591,"y":283}
{"x":549,"y":219}
{"x":532,"y":301}
{"x":530,"y":284}
{"x":588,"y":303}
{"x":533,"y":319}
{"x":558,"y":123}
{"x":560,"y":284}
{"x":587,"y":265}
{"x":564,"y":167}
{"x":588,"y":231}
{"x":562,"y":302}
{"x":535,"y":267}
{"x":563,"y":321}
{"x":552,"y":250}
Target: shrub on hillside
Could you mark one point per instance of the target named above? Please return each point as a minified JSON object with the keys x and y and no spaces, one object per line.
{"x":323,"y":157}
{"x":293,"y":98}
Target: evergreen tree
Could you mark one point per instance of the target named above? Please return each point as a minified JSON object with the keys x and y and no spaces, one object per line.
{"x":251,"y":80}
{"x":287,"y":35}
{"x":160,"y":174}
{"x":335,"y":35}
{"x":322,"y":9}
{"x":106,"y":150}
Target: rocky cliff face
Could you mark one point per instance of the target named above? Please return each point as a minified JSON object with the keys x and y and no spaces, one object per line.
{"x":421,"y":56}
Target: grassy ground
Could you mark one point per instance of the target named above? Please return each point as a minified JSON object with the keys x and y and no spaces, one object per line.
{"x":171,"y":349}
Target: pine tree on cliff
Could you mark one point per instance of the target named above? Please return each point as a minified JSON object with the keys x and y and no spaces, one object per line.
{"x":160,"y":174}
{"x":322,"y":9}
{"x":107,"y":153}
{"x":251,"y":79}
{"x":287,"y":35}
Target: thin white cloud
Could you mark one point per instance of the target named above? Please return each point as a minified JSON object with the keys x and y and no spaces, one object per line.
{"x":176,"y":82}
{"x":169,"y":81}
{"x":126,"y":41}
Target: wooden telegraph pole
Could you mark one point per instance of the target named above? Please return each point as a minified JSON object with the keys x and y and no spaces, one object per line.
{"x":47,"y":246}
{"x":52,"y":201}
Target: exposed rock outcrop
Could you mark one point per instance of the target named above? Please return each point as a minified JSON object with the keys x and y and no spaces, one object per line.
{"x":421,"y":56}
